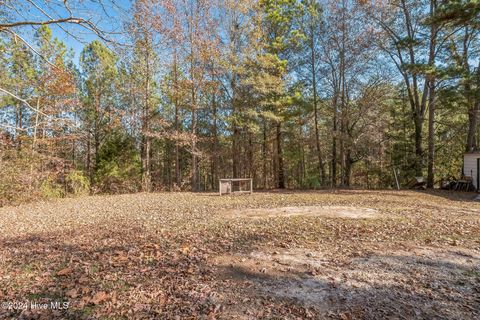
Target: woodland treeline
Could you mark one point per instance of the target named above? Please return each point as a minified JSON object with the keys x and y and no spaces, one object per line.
{"x":292,"y":93}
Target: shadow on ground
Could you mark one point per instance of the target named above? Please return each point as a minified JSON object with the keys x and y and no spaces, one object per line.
{"x":132,"y":275}
{"x":396,"y":286}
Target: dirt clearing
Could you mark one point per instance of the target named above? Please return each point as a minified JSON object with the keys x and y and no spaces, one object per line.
{"x":320,"y":255}
{"x":324,"y":211}
{"x":419,"y":280}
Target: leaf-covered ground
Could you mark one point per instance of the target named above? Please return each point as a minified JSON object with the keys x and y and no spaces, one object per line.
{"x":333,"y":255}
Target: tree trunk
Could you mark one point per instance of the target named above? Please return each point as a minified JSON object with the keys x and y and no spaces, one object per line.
{"x":418,"y":122}
{"x":235,"y":46}
{"x":235,"y":153}
{"x":34,"y":142}
{"x":342,"y":97}
{"x":431,"y":101}
{"x":334,"y":143}
{"x":321,"y":166}
{"x":251,"y":166}
{"x":96,"y":138}
{"x":167,"y":167}
{"x":194,"y":143}
{"x":472,"y":128}
{"x":473,"y":117}
{"x":18,"y":125}
{"x":302,"y":159}
{"x":348,"y":169}
{"x":236,"y":132}
{"x":194,"y":181}
{"x":431,"y":135}
{"x":145,"y":132}
{"x":280,"y":172}
{"x":89,"y":161}
{"x":264,"y":155}
{"x":215,"y":145}
{"x":176,"y":124}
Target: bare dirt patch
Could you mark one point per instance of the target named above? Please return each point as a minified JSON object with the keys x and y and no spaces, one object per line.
{"x":348,"y":254}
{"x":323,"y":211}
{"x":426,"y":281}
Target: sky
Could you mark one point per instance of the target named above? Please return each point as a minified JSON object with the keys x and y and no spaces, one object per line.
{"x":108,"y":15}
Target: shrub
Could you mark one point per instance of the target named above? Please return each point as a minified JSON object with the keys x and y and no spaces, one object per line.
{"x":313,"y":182}
{"x":49,"y":189}
{"x":119,"y":166}
{"x":77,"y":183}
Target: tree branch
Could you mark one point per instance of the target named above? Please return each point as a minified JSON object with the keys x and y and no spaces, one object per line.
{"x":25,"y":102}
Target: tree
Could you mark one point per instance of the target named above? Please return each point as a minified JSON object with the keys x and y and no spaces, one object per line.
{"x":292,"y":93}
{"x":143,"y":69}
{"x":45,"y":13}
{"x":311,"y":27}
{"x":197,"y":26}
{"x":280,"y":36}
{"x":40,"y":93}
{"x":462,"y":19}
{"x":238,"y":26}
{"x":406,"y":45}
{"x":99,"y":101}
{"x":348,"y":57}
{"x":432,"y":83}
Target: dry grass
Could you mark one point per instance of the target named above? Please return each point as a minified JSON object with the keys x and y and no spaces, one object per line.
{"x":182,"y":255}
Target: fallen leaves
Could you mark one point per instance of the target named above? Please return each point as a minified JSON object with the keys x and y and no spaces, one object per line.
{"x":99,"y":297}
{"x":72,"y":293}
{"x":83,"y":280}
{"x":156,"y":255}
{"x":64,"y":272}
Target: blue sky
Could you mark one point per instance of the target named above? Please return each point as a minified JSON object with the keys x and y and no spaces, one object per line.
{"x":108,"y":15}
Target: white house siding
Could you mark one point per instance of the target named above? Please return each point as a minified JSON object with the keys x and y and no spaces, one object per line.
{"x":470,"y":166}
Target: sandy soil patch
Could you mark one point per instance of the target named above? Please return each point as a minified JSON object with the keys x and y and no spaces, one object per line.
{"x":428,"y":281}
{"x":368,"y":255}
{"x":323,"y":211}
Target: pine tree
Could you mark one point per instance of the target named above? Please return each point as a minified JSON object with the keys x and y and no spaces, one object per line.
{"x":99,"y":69}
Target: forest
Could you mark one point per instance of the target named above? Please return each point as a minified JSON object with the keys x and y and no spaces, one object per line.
{"x":168,"y":95}
{"x":122,"y":121}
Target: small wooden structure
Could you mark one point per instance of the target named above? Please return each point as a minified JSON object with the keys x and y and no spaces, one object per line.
{"x":471,"y":167}
{"x":229,"y":186}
